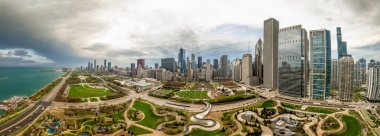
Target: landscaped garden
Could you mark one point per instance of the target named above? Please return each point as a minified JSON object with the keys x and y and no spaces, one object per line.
{"x":291,"y":106}
{"x":352,"y":126}
{"x":322,"y":110}
{"x":87,"y":91}
{"x":150,"y":120}
{"x":330,"y":124}
{"x":134,"y":130}
{"x":200,"y":132}
{"x":193,"y":94}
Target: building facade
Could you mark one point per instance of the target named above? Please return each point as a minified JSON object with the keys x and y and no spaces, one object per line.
{"x":224,"y":66}
{"x":270,"y":53}
{"x":292,"y":61}
{"x":320,"y":64}
{"x":373,"y":84}
{"x":181,"y":60}
{"x":342,"y":46}
{"x":168,"y":64}
{"x":141,"y":63}
{"x":360,"y":72}
{"x":346,"y":78}
{"x":258,"y":61}
{"x":246,"y":69}
{"x":236,"y":70}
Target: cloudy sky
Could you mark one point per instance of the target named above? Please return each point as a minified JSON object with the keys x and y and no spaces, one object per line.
{"x":71,"y":33}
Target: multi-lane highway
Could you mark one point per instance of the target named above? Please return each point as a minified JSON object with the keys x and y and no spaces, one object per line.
{"x":32,"y":112}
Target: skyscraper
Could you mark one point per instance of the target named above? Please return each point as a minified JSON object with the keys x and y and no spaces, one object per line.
{"x":320,"y":64}
{"x":334,"y":73}
{"x":89,"y":66}
{"x":200,"y":62}
{"x":156,"y":66}
{"x":292,"y":61}
{"x":105,"y":65}
{"x":181,"y":60}
{"x":109,"y":65}
{"x":270,"y":52}
{"x":246,"y":68}
{"x":141,"y":63}
{"x":342,"y":46}
{"x":236,"y":70}
{"x":258,"y":61}
{"x":95,"y":67}
{"x":168,"y":64}
{"x":224,"y":65}
{"x":346,"y":78}
{"x":360,"y":72}
{"x":133,"y":70}
{"x":216,"y":65}
{"x":193,"y":57}
{"x":373,"y":85}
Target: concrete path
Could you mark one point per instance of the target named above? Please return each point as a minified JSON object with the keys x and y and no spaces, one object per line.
{"x":205,"y":124}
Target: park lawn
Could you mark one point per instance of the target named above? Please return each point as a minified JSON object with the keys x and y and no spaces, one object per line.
{"x":352,"y":126}
{"x":150,"y":120}
{"x":330,"y":124}
{"x":200,"y":132}
{"x":130,"y":114}
{"x":163,"y":92}
{"x":269,"y":103}
{"x":87,"y":91}
{"x":321,"y":110}
{"x":291,"y":106}
{"x":138,"y":131}
{"x":193,"y":94}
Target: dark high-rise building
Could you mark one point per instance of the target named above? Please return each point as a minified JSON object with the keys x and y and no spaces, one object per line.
{"x":320,"y":64}
{"x":199,"y":61}
{"x":105,"y":65}
{"x":141,"y":63}
{"x":89,"y":66}
{"x":109,"y":65}
{"x":215,"y":64}
{"x":342,"y":45}
{"x":258,"y":61}
{"x":95,"y":68}
{"x":292,"y":61}
{"x":156,"y":65}
{"x":224,"y":65}
{"x":334,"y":73}
{"x":360,"y":72}
{"x":181,"y":60}
{"x":168,"y":64}
{"x":193,"y":57}
{"x":270,"y":53}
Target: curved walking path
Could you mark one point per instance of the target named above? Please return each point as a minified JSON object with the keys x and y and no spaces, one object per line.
{"x":205,"y":124}
{"x":307,"y":129}
{"x":266,"y":130}
{"x":320,"y":131}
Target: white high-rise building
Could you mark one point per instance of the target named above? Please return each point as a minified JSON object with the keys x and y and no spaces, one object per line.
{"x":236,"y":70}
{"x":246,"y":68}
{"x":373,"y":84}
{"x":346,"y":78}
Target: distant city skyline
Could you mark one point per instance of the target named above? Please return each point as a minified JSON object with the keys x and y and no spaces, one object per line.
{"x":73,"y":33}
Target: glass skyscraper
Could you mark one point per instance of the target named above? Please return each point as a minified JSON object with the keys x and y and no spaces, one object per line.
{"x":181,"y":60}
{"x":292,"y":61}
{"x":342,"y":45}
{"x":320,"y":67}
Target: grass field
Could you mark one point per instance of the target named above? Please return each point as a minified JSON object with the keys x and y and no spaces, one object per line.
{"x":199,"y":132}
{"x":130,"y":114}
{"x":87,"y":91}
{"x":138,"y":131}
{"x":193,"y":94}
{"x":321,"y":110}
{"x":353,"y":128}
{"x":269,"y":103}
{"x":291,"y":106}
{"x":150,"y":120}
{"x":162,"y":92}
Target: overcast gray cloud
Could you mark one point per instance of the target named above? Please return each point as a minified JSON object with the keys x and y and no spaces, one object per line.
{"x":73,"y":32}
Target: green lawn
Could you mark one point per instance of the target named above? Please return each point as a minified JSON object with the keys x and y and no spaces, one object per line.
{"x":163,"y":92}
{"x":269,"y":103}
{"x":130,"y":114}
{"x":291,"y":106}
{"x":87,"y":91}
{"x":200,"y":132}
{"x":193,"y":94}
{"x":138,"y":131}
{"x":150,"y":120}
{"x":321,"y":110}
{"x":353,"y":128}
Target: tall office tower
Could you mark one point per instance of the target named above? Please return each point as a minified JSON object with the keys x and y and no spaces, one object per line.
{"x":133,"y":70}
{"x":193,"y":57}
{"x":236,"y":69}
{"x":168,"y":64}
{"x":373,"y":84}
{"x":334,"y":73}
{"x":109,"y":65}
{"x":95,"y":68}
{"x":208,"y":61}
{"x":246,"y":68}
{"x":258,"y":61}
{"x":292,"y":61}
{"x":133,"y":66}
{"x":181,"y":60}
{"x":342,"y":46}
{"x":320,"y":64}
{"x":216,"y":65}
{"x":141,"y":63}
{"x":224,"y":65}
{"x":156,"y":66}
{"x":89,"y":66}
{"x":373,"y":63}
{"x":270,"y":52}
{"x":360,"y":72}
{"x":105,"y":65}
{"x":346,"y":78}
{"x":200,"y":62}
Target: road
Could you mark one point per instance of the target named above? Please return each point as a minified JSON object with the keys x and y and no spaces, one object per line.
{"x":32,"y":112}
